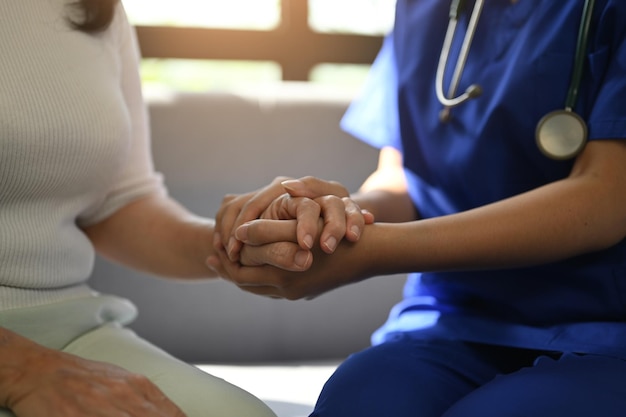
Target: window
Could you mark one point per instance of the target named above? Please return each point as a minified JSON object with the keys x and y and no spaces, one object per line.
{"x":215,"y":44}
{"x":231,"y":14}
{"x":368,"y":17}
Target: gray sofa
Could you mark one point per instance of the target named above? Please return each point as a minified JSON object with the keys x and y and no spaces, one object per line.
{"x":215,"y":143}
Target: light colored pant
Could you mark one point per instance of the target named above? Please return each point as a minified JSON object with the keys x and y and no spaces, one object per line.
{"x":93,"y":328}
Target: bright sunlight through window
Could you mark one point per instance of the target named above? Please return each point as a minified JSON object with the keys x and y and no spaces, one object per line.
{"x":231,"y":14}
{"x":368,"y":17}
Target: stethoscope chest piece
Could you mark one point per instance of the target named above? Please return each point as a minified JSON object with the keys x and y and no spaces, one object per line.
{"x":561,"y":134}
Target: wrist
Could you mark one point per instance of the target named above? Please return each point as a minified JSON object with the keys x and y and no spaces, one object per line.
{"x":203,"y":246}
{"x":379,"y":251}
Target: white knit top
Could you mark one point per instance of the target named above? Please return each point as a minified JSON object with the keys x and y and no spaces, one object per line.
{"x":74,"y":146}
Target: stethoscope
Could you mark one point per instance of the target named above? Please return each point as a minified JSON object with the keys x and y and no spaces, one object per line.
{"x":560,"y":134}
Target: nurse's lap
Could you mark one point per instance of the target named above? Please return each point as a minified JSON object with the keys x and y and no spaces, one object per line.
{"x":571,"y":386}
{"x":409,"y":378}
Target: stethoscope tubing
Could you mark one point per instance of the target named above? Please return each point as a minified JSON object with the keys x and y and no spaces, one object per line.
{"x":455,"y":11}
{"x":554,"y":132}
{"x":579,"y":59}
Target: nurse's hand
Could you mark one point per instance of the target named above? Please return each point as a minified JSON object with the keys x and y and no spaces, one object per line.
{"x":47,"y":383}
{"x":256,"y":273}
{"x":342,"y":217}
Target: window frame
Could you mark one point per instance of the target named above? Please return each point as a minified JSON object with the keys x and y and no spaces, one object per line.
{"x":292,"y":44}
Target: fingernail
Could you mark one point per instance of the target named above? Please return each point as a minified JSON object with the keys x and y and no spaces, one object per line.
{"x":331,"y":244}
{"x":242,"y":232}
{"x":291,"y":184}
{"x":301,"y":259}
{"x":356,"y":232}
{"x":308,"y":241}
{"x":369,"y":216}
{"x":231,"y":244}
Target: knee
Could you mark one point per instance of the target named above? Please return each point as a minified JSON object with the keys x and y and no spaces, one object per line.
{"x":365,"y":386}
{"x":378,"y":382}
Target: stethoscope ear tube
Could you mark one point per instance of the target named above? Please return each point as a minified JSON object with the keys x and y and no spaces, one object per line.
{"x":473,"y":90}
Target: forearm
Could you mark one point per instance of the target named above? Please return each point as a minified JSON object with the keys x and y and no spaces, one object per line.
{"x":156,"y":235}
{"x":583,"y":213}
{"x":387,"y":206}
{"x":526,"y":230}
{"x":385,"y":193}
{"x":552,"y":223}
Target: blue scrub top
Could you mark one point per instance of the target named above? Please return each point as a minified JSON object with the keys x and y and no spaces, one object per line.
{"x":522,"y":57}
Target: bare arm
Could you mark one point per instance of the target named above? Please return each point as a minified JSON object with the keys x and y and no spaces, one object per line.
{"x":157,"y":235}
{"x":383,"y":196}
{"x":582,"y":213}
{"x":384,"y":192}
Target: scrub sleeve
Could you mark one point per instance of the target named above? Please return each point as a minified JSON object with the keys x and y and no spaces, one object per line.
{"x":93,"y":328}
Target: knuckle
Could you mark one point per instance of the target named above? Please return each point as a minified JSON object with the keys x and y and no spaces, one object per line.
{"x":308,"y":179}
{"x":282,"y":251}
{"x":328,"y":200}
{"x":139,"y":380}
{"x":339,"y":187}
{"x":348,"y":201}
{"x":283,"y":198}
{"x":351,"y":206}
{"x":228,"y":198}
{"x":307,"y":202}
{"x":279,"y":179}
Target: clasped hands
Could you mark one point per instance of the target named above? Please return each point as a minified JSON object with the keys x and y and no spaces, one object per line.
{"x":279,"y":241}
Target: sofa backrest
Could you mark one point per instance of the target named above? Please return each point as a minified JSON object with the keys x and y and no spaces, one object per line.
{"x":211,"y":144}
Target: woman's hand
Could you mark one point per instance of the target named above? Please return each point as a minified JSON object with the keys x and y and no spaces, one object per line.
{"x":39,"y":382}
{"x":238,"y":209}
{"x":342,"y":217}
{"x":305,"y":200}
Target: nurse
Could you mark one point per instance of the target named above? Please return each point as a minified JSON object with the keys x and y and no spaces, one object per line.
{"x":516,"y":300}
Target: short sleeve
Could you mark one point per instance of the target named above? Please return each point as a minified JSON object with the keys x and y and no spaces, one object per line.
{"x":373,"y":116}
{"x":138,"y":177}
{"x":607,"y":63}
